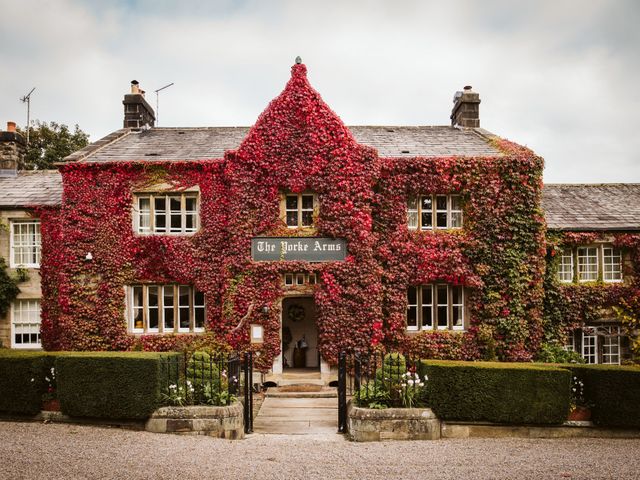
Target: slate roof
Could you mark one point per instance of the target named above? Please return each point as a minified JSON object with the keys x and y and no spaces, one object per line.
{"x":30,"y":188}
{"x":588,"y":207}
{"x":163,"y":143}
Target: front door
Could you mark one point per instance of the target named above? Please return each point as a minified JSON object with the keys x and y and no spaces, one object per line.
{"x":299,"y":334}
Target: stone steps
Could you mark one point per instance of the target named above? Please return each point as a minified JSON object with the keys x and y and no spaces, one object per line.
{"x":298,"y":412}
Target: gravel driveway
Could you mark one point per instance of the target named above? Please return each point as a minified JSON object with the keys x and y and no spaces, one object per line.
{"x":59,"y":451}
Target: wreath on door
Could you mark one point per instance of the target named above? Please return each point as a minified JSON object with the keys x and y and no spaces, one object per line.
{"x":295,"y":313}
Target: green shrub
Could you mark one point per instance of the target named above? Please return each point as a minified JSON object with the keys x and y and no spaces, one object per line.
{"x":372,"y":395}
{"x":22,"y":380}
{"x":110,"y":384}
{"x":555,"y":353}
{"x":497,"y":392}
{"x":613,"y":391}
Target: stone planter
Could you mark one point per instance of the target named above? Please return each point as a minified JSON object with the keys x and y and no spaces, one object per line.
{"x":221,"y":422}
{"x":367,"y":425}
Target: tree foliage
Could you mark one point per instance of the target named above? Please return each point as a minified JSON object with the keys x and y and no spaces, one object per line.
{"x":51,"y":142}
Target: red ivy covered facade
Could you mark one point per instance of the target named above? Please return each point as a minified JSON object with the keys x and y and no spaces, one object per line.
{"x":299,"y":145}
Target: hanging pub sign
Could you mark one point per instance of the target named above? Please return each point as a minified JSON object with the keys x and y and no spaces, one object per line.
{"x":309,"y":249}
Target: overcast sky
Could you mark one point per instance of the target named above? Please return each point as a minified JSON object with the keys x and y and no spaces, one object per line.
{"x":561,"y":77}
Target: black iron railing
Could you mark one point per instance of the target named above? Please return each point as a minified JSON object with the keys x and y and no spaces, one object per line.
{"x":379,"y":380}
{"x":201,"y":378}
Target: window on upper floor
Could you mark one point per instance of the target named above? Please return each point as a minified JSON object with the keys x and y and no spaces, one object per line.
{"x":299,"y":209}
{"x":165,"y":309}
{"x":299,"y":279}
{"x":590,"y":263}
{"x":25,"y":324}
{"x":435,"y":307}
{"x":25,"y":243}
{"x":429,"y":212}
{"x":166,"y":213}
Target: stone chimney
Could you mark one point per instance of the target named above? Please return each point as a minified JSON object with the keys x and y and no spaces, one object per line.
{"x":12,"y":151}
{"x":137,"y":111}
{"x":466,"y":109}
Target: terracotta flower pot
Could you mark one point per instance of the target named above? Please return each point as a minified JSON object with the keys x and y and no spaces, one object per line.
{"x":580,"y":414}
{"x":52,"y":405}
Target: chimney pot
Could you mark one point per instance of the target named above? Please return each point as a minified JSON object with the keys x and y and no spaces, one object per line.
{"x":11,"y":126}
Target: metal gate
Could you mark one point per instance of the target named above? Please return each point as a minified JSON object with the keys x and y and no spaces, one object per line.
{"x":247,"y":385}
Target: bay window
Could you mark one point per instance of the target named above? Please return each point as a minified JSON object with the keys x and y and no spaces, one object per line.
{"x":165,"y":309}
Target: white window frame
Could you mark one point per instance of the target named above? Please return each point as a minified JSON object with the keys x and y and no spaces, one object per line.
{"x":566,"y":269}
{"x":589,"y":347}
{"x":14,"y":322}
{"x":432,"y":325}
{"x":583,"y":266}
{"x":297,"y":279}
{"x":299,"y":210}
{"x":609,"y":256}
{"x":415,"y":212}
{"x":606,"y":256}
{"x":153,"y":229}
{"x":175,"y":289}
{"x":35,"y":247}
{"x":611,"y":346}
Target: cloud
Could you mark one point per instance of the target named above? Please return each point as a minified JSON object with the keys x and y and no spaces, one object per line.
{"x":559,"y":77}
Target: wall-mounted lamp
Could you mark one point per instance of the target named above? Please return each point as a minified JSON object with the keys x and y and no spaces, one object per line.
{"x":257,"y":333}
{"x":265,"y":309}
{"x":88,"y":257}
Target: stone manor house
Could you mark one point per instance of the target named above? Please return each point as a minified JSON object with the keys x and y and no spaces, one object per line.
{"x":300,"y":236}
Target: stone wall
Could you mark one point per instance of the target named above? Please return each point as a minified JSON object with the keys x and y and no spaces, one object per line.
{"x":367,"y":425}
{"x":220,"y":422}
{"x":29,"y":290}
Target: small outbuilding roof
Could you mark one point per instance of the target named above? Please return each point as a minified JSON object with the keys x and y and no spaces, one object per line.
{"x":31,"y":188}
{"x":590,"y":207}
{"x":161,"y":143}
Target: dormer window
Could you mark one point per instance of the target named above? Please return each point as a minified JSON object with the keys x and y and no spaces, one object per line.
{"x":166,"y":213}
{"x":434,"y":212}
{"x":299,"y":209}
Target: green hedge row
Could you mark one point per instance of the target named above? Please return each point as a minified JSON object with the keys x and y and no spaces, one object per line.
{"x":613,"y":392}
{"x":117,"y":385}
{"x":22,"y":380}
{"x":497,"y":392}
{"x":110,"y":385}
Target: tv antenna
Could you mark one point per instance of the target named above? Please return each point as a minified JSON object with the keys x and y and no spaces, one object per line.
{"x":27,"y":99}
{"x":158,"y":103}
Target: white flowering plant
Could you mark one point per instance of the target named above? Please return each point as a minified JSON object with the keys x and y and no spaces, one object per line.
{"x":578,"y":398}
{"x":51,"y":385}
{"x":411,"y":388}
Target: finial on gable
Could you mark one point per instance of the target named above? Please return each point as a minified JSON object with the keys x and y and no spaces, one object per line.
{"x":299,"y":69}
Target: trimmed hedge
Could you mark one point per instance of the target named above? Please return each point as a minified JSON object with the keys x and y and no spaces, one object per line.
{"x":613,"y":391}
{"x":117,"y":385}
{"x":497,"y":392}
{"x":22,"y":380}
